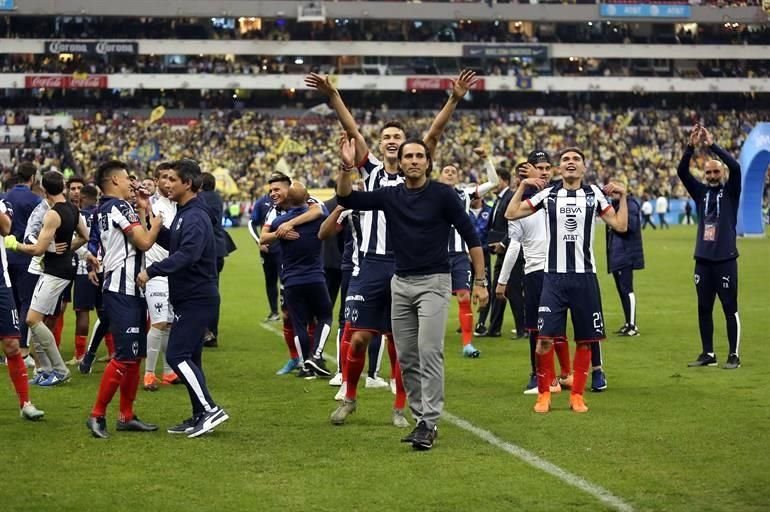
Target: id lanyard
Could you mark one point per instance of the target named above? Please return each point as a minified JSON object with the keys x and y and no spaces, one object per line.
{"x":718,"y":201}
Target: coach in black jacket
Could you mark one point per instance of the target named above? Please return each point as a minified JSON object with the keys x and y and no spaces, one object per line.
{"x":625,"y":253}
{"x":497,"y":239}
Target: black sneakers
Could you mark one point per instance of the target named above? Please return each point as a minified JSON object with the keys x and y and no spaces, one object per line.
{"x":423,"y":437}
{"x":183,"y":428}
{"x":208,"y":421}
{"x":733,"y":362}
{"x":318,"y":366}
{"x":98,"y":427}
{"x":629,"y":330}
{"x":705,"y":360}
{"x":135,"y":425}
{"x":480,"y":330}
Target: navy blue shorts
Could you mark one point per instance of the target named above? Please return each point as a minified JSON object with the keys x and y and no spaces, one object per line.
{"x":460,"y":268}
{"x":85,"y":293}
{"x":9,"y":316}
{"x":367,"y":304}
{"x":533,"y":289}
{"x":580,"y":294}
{"x":66,"y":295}
{"x":128,"y":324}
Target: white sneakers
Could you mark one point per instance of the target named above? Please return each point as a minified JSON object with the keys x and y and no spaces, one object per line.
{"x":376,"y":383}
{"x":336,"y":380}
{"x":30,"y":412}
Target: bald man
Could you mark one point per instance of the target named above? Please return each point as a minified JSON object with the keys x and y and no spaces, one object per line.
{"x":716,"y":254}
{"x":302,"y":276}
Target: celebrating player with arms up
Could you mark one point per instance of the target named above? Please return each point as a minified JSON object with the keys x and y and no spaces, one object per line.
{"x":570,"y":280}
{"x":369,"y":293}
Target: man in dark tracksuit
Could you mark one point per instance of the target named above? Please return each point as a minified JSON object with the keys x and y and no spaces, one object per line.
{"x":716,"y":254}
{"x":191,"y":268}
{"x":304,"y":285}
{"x":625,"y":254}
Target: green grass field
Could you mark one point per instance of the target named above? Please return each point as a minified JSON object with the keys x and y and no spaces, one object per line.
{"x":663,"y":437}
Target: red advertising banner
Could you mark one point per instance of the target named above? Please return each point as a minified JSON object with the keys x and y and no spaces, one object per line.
{"x":65,"y":82}
{"x":430,"y":83}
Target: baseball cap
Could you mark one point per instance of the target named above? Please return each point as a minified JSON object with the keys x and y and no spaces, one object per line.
{"x":538,"y":156}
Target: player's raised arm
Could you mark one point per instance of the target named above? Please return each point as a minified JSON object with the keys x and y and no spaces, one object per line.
{"x":489,"y":167}
{"x":460,"y":88}
{"x":51,"y":221}
{"x":518,"y":209}
{"x":331,"y":224}
{"x":324,"y":85}
{"x":617,"y":220}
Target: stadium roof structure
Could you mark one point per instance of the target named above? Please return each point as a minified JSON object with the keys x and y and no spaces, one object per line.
{"x":317,"y":10}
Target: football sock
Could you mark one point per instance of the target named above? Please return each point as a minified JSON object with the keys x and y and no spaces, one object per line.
{"x":532,"y":351}
{"x":288,"y":337}
{"x":17,"y":371}
{"x":44,"y":338}
{"x":581,"y":365}
{"x":545,"y":370}
{"x":58,"y":328}
{"x":154,"y":342}
{"x":113,"y":375}
{"x":352,"y":371}
{"x":110,"y":342}
{"x":344,"y":347}
{"x":562,"y":352}
{"x":80,"y":347}
{"x":128,"y":387}
{"x":466,"y":321}
{"x":395,"y":372}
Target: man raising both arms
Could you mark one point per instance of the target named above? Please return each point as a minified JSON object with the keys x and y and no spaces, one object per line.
{"x":370,"y":291}
{"x":570,"y":280}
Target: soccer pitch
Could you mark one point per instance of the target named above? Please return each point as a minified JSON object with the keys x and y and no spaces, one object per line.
{"x":662,"y":437}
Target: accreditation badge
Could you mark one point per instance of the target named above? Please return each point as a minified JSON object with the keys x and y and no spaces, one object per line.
{"x":710,"y":232}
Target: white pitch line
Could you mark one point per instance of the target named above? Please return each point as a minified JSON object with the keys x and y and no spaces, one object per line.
{"x":530,"y":458}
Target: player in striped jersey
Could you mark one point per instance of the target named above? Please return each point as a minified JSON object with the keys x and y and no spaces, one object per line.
{"x":570,"y":280}
{"x":529,"y":234}
{"x":123,"y":239}
{"x":459,"y":261}
{"x":368,"y":299}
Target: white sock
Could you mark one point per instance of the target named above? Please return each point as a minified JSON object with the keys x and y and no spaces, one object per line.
{"x":164,"y":348}
{"x":153,"y":349}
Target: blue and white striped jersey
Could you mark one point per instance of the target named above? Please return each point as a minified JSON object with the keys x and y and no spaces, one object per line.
{"x":121,"y":262}
{"x":5,"y":209}
{"x":375,"y":241}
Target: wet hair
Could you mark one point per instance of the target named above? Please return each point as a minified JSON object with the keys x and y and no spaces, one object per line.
{"x":107,"y":169}
{"x":392,"y":124}
{"x":572,"y":150}
{"x":277,"y":177}
{"x":208,"y":182}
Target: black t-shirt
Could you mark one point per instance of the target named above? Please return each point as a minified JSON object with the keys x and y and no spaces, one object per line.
{"x":63,"y":265}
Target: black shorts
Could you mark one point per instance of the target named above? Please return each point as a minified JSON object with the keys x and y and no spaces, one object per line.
{"x":66,"y":295}
{"x":578,"y":293}
{"x":533,"y":289}
{"x":128,"y":324}
{"x":9,"y":316}
{"x":367,"y":304}
{"x":85,"y":296}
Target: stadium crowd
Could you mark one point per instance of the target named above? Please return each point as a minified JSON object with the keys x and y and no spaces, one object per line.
{"x":637,"y":144}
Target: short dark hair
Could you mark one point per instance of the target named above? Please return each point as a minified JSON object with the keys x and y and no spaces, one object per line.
{"x":106,"y":169}
{"x":53,"y":183}
{"x":90,"y":192}
{"x":76,"y":179}
{"x":26,"y":171}
{"x":188,"y":171}
{"x":208,"y":182}
{"x":427,"y":152}
{"x":392,"y":124}
{"x":278,"y":177}
{"x":504,"y":174}
{"x":572,"y":150}
{"x":10,"y":182}
{"x":163,"y":166}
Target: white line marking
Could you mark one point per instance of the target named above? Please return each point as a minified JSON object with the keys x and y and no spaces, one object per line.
{"x":530,"y":458}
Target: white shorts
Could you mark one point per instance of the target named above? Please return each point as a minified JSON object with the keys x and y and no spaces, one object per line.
{"x":47,"y":293}
{"x":158,"y":306}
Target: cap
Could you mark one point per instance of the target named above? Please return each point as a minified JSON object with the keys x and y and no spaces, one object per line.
{"x":538,"y":156}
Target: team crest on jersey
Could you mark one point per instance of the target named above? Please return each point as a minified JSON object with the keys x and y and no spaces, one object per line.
{"x":158,"y":307}
{"x":133,"y":218}
{"x":179,"y":223}
{"x":590,"y":201}
{"x":484,"y":215}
